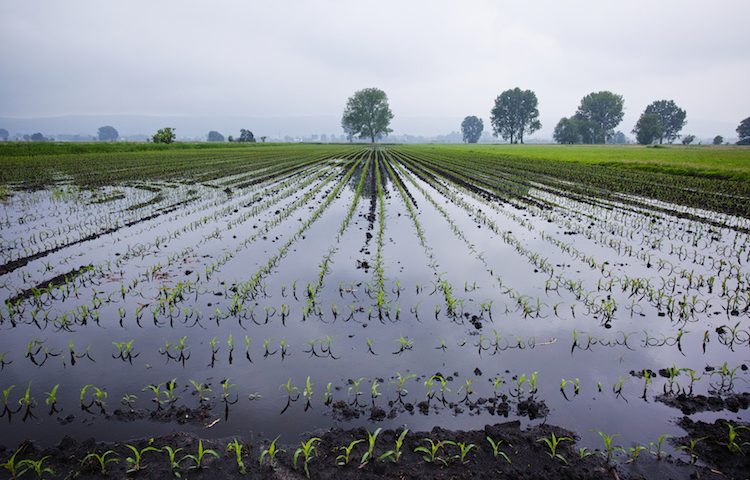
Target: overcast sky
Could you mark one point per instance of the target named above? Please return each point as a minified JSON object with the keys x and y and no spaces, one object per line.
{"x":434,"y":59}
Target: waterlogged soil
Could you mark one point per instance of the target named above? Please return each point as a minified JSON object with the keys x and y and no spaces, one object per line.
{"x":527,"y":457}
{"x":529,"y":276}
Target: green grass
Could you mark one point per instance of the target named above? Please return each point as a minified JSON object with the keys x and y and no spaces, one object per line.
{"x":726,"y":161}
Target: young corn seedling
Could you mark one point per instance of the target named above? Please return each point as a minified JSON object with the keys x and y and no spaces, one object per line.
{"x":468,"y":390}
{"x":270,"y":453}
{"x":307,"y":393}
{"x":236,"y":447}
{"x":354,"y":389}
{"x":128,"y":401}
{"x":690,"y":448}
{"x":609,"y":447}
{"x":635,"y":452}
{"x":202,"y":390}
{"x":306,"y":450}
{"x":430,"y":453}
{"x":100,"y":460}
{"x":198,"y":458}
{"x":327,"y":395}
{"x":292,"y":394}
{"x":395,"y":454}
{"x":370,"y":453}
{"x":214,"y":351}
{"x":134,"y":462}
{"x":27,"y":403}
{"x":174,"y":462}
{"x":404,"y":344}
{"x":344,"y":458}
{"x":496,"y":452}
{"x":51,"y":400}
{"x":400,"y":382}
{"x":657,"y":449}
{"x":552,"y":444}
{"x":98,"y":399}
{"x":734,"y":443}
{"x":125,"y":351}
{"x":463,"y":450}
{"x":369,"y":346}
{"x":374,"y":392}
{"x":14,"y":469}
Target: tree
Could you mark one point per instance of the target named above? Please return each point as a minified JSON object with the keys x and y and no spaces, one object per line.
{"x":618,"y":138}
{"x":4,"y":135}
{"x":263,"y":139}
{"x":214,"y":136}
{"x":604,"y":112}
{"x":37,"y":137}
{"x":743,"y":131}
{"x":472,"y":128}
{"x":671,"y":117}
{"x":367,"y":115}
{"x":648,"y":129}
{"x":164,"y":135}
{"x":567,"y":131}
{"x":718,"y":140}
{"x":108,"y":134}
{"x":515,"y":113}
{"x":246,"y":136}
{"x":688,"y":139}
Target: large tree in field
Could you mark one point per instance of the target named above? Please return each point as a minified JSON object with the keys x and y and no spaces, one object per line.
{"x":4,"y":135}
{"x":648,"y":129}
{"x":472,"y":128}
{"x":107,"y":134}
{"x":671,"y":117}
{"x":568,"y":131}
{"x":743,"y":131}
{"x":164,"y":135}
{"x":367,"y":114}
{"x":515,"y":113}
{"x":214,"y":136}
{"x":604,"y":112}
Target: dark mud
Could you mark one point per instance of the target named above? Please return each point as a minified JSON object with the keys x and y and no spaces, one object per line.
{"x":713,"y":449}
{"x":690,"y":404}
{"x":528,"y":456}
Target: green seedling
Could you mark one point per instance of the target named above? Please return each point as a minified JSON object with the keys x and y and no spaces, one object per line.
{"x":395,"y":454}
{"x":733,"y":438}
{"x":463,"y":450}
{"x":37,"y":466}
{"x":657,"y":447}
{"x":430,"y":453}
{"x":134,"y":462}
{"x":552,"y":443}
{"x":236,"y":447}
{"x":690,"y":448}
{"x":306,"y":450}
{"x":51,"y":399}
{"x":174,"y":463}
{"x":495,"y":445}
{"x":202,"y":390}
{"x":343,"y":459}
{"x":270,"y":452}
{"x":14,"y":469}
{"x":609,"y":447}
{"x":634,"y":452}
{"x":369,"y":454}
{"x":200,"y":455}
{"x":101,"y":460}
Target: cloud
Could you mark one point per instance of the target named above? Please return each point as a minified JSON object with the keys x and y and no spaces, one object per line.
{"x":435,"y":58}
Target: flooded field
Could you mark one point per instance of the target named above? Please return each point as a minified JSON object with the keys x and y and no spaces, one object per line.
{"x":280,"y":291}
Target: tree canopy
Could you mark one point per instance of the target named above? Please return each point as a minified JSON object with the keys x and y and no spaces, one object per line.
{"x":568,"y":130}
{"x":107,"y":133}
{"x":472,"y":128}
{"x":718,"y":140}
{"x":515,"y":113}
{"x":246,"y":136}
{"x":604,"y":111}
{"x":4,"y":134}
{"x":743,"y":131}
{"x":164,"y":135}
{"x":671,"y":117}
{"x":214,"y":136}
{"x":688,"y":139}
{"x":648,"y":129}
{"x":367,"y":114}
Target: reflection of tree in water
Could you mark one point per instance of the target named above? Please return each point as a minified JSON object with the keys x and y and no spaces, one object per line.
{"x":369,"y":187}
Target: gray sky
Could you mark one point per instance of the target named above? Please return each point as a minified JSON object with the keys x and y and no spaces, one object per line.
{"x":435,"y":59}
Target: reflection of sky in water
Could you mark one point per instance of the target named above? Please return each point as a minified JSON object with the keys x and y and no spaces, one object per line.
{"x":406,"y":261}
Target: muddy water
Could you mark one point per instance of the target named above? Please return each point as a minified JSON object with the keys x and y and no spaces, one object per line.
{"x":478,"y":264}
